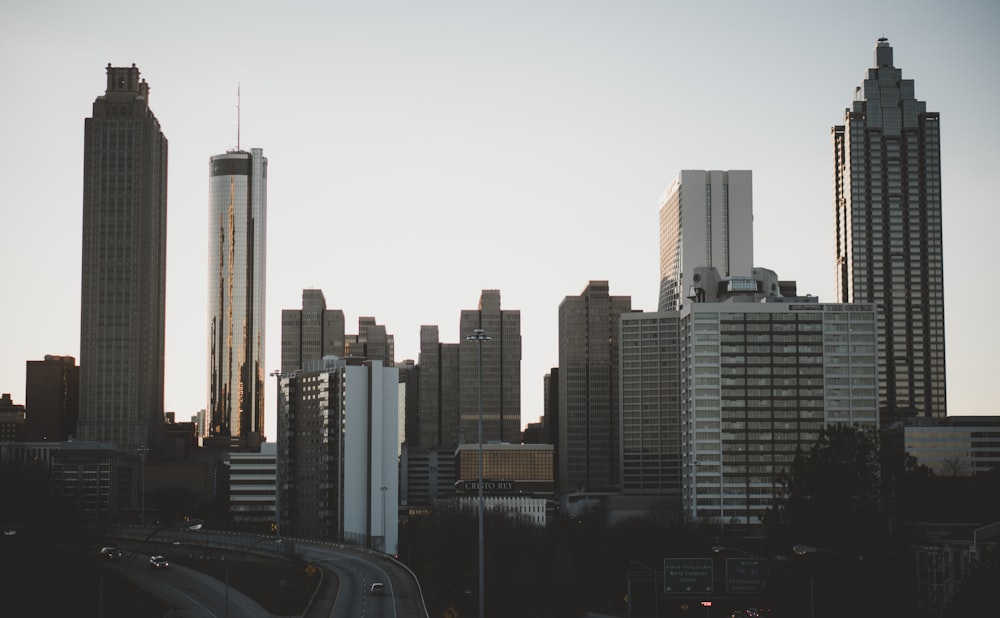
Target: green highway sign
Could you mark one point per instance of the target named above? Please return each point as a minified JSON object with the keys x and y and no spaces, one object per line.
{"x":745,"y":575}
{"x":687,"y":575}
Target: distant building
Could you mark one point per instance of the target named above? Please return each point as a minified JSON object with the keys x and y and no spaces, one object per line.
{"x":887,"y":183}
{"x":237,"y":224}
{"x":426,"y":475}
{"x":337,"y":452}
{"x":706,"y":219}
{"x":953,"y":445}
{"x":310,"y":333}
{"x":252,"y":489}
{"x":589,"y":428}
{"x":371,"y":343}
{"x":438,"y":410}
{"x":123,"y":286}
{"x":12,"y":420}
{"x":52,"y":399}
{"x":501,"y":372}
{"x":517,"y":480}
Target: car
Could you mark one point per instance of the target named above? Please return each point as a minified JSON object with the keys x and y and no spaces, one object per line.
{"x":158,"y":562}
{"x":378,"y":589}
{"x":111,"y":553}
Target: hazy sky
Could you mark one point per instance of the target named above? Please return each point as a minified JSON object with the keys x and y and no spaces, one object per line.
{"x":422,"y":151}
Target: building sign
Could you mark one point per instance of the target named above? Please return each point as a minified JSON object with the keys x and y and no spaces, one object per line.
{"x":745,"y":575}
{"x":489,"y":487}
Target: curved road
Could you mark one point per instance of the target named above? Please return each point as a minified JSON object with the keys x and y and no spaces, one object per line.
{"x":191,"y":594}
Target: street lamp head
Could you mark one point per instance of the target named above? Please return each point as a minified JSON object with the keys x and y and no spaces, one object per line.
{"x":802,"y":550}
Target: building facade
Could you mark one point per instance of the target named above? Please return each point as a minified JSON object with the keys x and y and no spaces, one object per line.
{"x":650,"y":404}
{"x":337,"y":452}
{"x":954,"y":445}
{"x":501,"y":372}
{"x":706,"y":219}
{"x":589,"y":341}
{"x":237,"y":224}
{"x":887,"y":182}
{"x":438,"y":409}
{"x":310,"y":333}
{"x":252,"y":489}
{"x":124,"y":266}
{"x":52,"y":399}
{"x":761,"y":375}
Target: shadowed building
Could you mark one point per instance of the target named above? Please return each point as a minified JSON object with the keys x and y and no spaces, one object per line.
{"x":52,"y":399}
{"x":124,"y":261}
{"x":887,"y":183}
{"x":588,"y":439}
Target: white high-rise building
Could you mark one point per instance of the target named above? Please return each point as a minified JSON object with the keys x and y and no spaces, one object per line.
{"x":338,"y":452}
{"x":237,"y":200}
{"x":706,"y":219}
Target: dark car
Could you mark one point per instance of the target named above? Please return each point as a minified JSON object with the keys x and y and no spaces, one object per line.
{"x":378,"y":588}
{"x":111,"y":553}
{"x":158,"y":562}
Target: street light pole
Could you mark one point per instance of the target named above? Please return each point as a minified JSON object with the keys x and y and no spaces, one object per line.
{"x":479,"y":335}
{"x":277,"y":458}
{"x":142,"y":450}
{"x":385,"y":545}
{"x":803,"y":550}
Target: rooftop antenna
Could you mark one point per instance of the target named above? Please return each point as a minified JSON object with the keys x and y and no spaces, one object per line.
{"x":237,"y":116}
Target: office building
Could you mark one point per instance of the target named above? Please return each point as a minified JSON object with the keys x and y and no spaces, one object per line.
{"x":237,"y":237}
{"x":12,"y":420}
{"x":517,"y":480}
{"x":501,"y":372}
{"x":123,"y":267}
{"x":52,"y":399}
{"x":310,"y":333}
{"x":651,"y":404}
{"x":953,"y":445}
{"x":761,"y":375}
{"x":438,"y":410}
{"x":588,"y":439}
{"x":887,"y":182}
{"x":706,"y":219}
{"x":252,"y":489}
{"x":337,"y":452}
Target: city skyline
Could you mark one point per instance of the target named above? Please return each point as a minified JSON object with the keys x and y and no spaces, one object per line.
{"x":447,"y":149}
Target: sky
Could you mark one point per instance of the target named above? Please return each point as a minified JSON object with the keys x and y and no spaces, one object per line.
{"x":421,"y":152}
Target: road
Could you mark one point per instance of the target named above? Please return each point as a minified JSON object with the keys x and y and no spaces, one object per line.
{"x":191,"y":594}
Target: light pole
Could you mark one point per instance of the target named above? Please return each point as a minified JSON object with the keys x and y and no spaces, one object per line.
{"x":479,"y":335}
{"x":802,"y":550}
{"x":384,"y":542}
{"x":277,"y":459}
{"x":142,"y":450}
{"x":656,"y":596}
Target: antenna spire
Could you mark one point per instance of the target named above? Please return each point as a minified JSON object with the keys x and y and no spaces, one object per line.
{"x":237,"y":115}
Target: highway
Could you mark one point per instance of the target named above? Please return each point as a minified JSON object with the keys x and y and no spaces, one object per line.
{"x":348,"y":574}
{"x":191,"y":594}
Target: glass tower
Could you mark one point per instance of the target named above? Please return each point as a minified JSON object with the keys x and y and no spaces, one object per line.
{"x":124,"y":258}
{"x":237,"y":196}
{"x":887,"y":182}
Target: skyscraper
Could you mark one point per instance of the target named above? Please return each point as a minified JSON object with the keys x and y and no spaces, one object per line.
{"x":237,"y":213}
{"x":588,"y":375}
{"x":310,"y":333}
{"x":887,"y":182}
{"x":122,"y":308}
{"x":706,"y":219}
{"x":501,"y":357}
{"x":52,"y":399}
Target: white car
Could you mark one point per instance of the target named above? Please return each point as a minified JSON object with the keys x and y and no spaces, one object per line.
{"x":158,"y":562}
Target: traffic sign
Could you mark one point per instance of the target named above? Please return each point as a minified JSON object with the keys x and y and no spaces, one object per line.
{"x":745,"y":575}
{"x":687,"y":575}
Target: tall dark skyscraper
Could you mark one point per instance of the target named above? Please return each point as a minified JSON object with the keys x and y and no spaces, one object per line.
{"x":589,"y":420}
{"x":122,"y":309}
{"x":887,"y":181}
{"x":237,"y":202}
